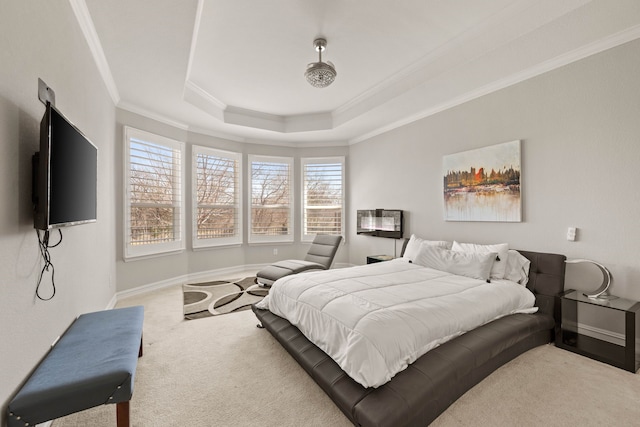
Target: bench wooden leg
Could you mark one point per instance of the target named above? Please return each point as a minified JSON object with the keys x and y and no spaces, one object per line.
{"x":122,"y":414}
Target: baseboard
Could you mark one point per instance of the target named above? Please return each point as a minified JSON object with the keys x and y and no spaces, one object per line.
{"x":205,"y":276}
{"x":152,"y":287}
{"x":601,"y":334}
{"x":202,"y":276}
{"x":593,"y":332}
{"x":112,"y":302}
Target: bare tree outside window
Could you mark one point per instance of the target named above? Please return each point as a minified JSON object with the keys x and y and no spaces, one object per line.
{"x":217,"y":197}
{"x":153,"y":181}
{"x":270,"y":198}
{"x":323,"y":197}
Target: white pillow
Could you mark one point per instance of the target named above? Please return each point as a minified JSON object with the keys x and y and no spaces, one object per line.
{"x":517,"y":268}
{"x":413,"y":247}
{"x":502,"y":249}
{"x":470,"y":264}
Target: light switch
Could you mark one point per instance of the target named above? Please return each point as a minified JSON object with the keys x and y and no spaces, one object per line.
{"x":571,"y":234}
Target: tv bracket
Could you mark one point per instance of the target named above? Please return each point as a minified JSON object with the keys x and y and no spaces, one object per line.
{"x":45,"y":93}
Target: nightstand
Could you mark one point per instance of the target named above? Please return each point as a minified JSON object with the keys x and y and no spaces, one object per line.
{"x":621,"y":311}
{"x":378,"y":258}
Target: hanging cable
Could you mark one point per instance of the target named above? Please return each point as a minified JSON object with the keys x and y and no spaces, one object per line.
{"x":43,"y":242}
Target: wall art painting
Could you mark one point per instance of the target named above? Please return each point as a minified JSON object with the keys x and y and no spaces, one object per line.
{"x":483,"y":184}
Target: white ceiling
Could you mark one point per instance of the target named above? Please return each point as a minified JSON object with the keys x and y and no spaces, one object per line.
{"x":234,"y":68}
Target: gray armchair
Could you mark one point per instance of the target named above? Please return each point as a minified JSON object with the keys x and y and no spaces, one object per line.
{"x":319,"y":257}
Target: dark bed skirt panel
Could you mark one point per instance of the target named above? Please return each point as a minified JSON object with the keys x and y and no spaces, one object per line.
{"x":420,"y":393}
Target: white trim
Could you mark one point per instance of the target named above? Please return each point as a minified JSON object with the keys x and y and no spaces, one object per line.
{"x":199,"y":277}
{"x":582,"y":52}
{"x":202,"y":276}
{"x":154,"y":255}
{"x":197,"y":90}
{"x":91,"y":36}
{"x":594,"y":332}
{"x":305,"y":144}
{"x":112,"y":302}
{"x":194,"y":39}
{"x":143,"y":289}
{"x":369,"y":97}
{"x":216,"y":134}
{"x":125,"y":106}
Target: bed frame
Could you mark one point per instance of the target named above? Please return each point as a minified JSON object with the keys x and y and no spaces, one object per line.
{"x":420,"y":393}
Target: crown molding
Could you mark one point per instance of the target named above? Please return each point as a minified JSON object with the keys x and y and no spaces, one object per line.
{"x":194,"y":38}
{"x":201,"y":99}
{"x":151,"y":115}
{"x":216,"y":134}
{"x":91,"y":36}
{"x":297,"y":144}
{"x":409,"y":86}
{"x":582,"y":52}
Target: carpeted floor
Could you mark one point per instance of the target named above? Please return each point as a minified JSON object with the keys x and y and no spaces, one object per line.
{"x":221,"y":297}
{"x":223,"y":371}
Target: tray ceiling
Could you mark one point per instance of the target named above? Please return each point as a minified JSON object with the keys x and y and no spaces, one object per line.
{"x":234,"y":68}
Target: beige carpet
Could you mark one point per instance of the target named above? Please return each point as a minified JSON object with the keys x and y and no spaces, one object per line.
{"x":223,"y":371}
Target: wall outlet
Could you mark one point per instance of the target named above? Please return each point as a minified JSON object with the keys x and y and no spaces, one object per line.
{"x":275,"y":251}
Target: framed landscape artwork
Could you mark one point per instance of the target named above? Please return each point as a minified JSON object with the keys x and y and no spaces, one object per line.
{"x":483,"y":184}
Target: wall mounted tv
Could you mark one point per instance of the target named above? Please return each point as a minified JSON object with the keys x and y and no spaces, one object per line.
{"x":380,"y":223}
{"x":65,"y":174}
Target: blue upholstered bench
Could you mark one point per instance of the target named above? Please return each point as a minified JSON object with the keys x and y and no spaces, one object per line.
{"x":92,"y":364}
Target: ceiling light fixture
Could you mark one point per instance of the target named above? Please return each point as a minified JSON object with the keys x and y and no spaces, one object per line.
{"x":320,"y":74}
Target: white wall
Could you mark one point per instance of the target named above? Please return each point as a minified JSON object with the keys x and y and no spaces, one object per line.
{"x":580,"y":127}
{"x":42,"y":39}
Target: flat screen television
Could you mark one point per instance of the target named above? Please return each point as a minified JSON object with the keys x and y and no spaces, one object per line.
{"x":380,"y":223}
{"x":65,"y":174}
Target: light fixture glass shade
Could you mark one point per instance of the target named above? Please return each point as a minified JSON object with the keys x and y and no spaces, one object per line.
{"x":320,"y":74}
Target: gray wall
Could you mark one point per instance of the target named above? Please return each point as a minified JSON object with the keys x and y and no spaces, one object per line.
{"x":42,"y":39}
{"x":580,"y":132}
{"x":579,"y":126}
{"x":164,"y":268}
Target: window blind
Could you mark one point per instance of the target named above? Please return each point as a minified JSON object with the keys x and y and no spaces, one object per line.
{"x":154,"y":203}
{"x":323,"y":197}
{"x":271,"y":204}
{"x":217,"y":192}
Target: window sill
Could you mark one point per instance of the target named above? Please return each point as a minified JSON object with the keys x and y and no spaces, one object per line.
{"x":149,"y":256}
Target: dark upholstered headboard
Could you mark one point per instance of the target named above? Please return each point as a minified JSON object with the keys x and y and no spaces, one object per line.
{"x":546,"y":279}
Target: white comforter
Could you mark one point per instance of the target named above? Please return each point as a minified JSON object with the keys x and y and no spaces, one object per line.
{"x":375,"y":320}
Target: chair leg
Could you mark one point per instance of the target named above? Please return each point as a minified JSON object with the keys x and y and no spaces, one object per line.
{"x":122,"y":414}
{"x":140,"y":350}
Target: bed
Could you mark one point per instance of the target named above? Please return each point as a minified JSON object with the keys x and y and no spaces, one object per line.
{"x":431,"y":382}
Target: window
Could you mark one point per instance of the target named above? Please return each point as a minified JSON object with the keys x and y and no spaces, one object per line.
{"x":217,"y":216}
{"x":154,"y":203}
{"x":271,"y":214}
{"x":323,"y":196}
